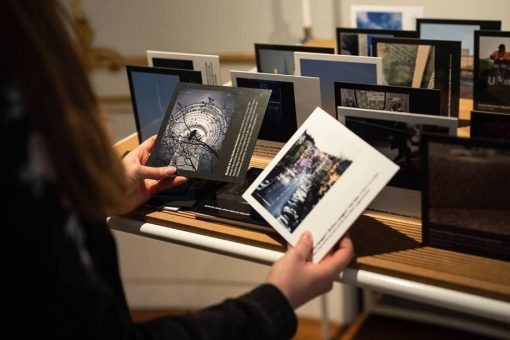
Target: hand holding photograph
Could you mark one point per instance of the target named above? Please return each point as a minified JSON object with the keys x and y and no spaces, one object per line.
{"x":210,"y":131}
{"x":322,"y":180}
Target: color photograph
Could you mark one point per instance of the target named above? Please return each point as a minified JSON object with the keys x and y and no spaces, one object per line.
{"x":493,"y":91}
{"x":407,"y":64}
{"x":299,"y":180}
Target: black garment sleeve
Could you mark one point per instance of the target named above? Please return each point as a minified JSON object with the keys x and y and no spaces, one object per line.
{"x":61,"y":274}
{"x":263,"y":313}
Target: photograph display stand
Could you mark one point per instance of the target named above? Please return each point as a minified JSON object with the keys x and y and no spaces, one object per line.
{"x":207,"y":64}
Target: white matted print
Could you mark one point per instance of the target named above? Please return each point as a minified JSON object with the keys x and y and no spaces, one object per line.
{"x":207,"y":64}
{"x":331,"y":68}
{"x":385,"y":17}
{"x":322,"y":180}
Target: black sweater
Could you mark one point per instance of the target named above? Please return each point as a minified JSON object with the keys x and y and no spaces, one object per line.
{"x":60,"y":271}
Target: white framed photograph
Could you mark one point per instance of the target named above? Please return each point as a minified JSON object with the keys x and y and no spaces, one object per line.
{"x":385,"y":17}
{"x":397,"y":135}
{"x":331,"y":68}
{"x":292,"y":100}
{"x":207,"y":64}
{"x":321,"y":181}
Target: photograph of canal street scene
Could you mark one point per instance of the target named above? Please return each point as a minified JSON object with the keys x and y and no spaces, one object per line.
{"x":301,"y":178}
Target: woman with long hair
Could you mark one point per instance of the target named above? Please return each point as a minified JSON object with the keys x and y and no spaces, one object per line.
{"x":60,"y":275}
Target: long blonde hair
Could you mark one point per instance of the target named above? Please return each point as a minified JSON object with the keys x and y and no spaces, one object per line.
{"x":52,"y":79}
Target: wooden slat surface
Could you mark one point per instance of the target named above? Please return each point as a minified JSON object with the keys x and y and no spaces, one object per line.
{"x":383,"y":243}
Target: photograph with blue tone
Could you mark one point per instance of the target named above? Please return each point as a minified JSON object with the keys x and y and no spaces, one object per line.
{"x":280,"y":119}
{"x":151,"y":91}
{"x":279,"y":59}
{"x":366,"y":70}
{"x":379,"y":20}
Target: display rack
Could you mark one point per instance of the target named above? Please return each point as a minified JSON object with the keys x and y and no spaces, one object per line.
{"x":389,"y":255}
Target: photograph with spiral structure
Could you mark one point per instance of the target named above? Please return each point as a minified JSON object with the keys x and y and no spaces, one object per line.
{"x":196,"y":130}
{"x":298,"y":182}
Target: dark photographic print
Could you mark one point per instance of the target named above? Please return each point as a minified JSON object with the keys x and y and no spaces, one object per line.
{"x":280,"y":119}
{"x":490,"y":125}
{"x":210,"y":131}
{"x":196,"y":129}
{"x":492,"y":68}
{"x":299,"y":181}
{"x":467,"y":204}
{"x":375,"y":100}
{"x":397,"y":140}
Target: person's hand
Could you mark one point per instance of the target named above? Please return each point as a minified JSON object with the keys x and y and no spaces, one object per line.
{"x":301,"y":280}
{"x":144,"y":181}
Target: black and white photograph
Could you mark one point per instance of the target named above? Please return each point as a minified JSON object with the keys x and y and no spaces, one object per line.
{"x":322,"y":179}
{"x":388,"y":98}
{"x":375,"y":100}
{"x":466,"y":205}
{"x":196,"y":136}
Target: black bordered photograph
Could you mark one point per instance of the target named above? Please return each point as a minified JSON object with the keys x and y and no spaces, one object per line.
{"x":430,"y":64}
{"x":465,"y":197}
{"x":207,"y":64}
{"x":292,"y":100}
{"x":358,"y":41}
{"x":458,"y":30}
{"x":388,"y":98}
{"x":225,"y":204}
{"x":490,"y":125}
{"x":397,"y":136}
{"x":210,"y":131}
{"x":322,"y":180}
{"x":279,"y":59}
{"x":151,"y":90}
{"x":492,"y":71}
